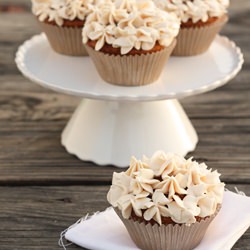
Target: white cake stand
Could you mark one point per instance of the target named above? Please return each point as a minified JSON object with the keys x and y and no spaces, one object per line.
{"x":112,"y":123}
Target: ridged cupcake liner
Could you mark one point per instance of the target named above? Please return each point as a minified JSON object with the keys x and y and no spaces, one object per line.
{"x":130,"y":70}
{"x":65,"y":40}
{"x":166,"y":237}
{"x":194,"y":41}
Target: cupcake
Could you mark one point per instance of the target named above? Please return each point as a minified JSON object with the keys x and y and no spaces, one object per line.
{"x":166,"y":202}
{"x":62,"y":22}
{"x":130,"y":41}
{"x":201,"y":20}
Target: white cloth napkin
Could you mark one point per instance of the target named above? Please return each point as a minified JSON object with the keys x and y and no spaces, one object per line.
{"x":105,"y":231}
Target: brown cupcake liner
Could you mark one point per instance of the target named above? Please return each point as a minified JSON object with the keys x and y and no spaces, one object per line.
{"x":65,"y":40}
{"x":194,"y":41}
{"x":130,"y":70}
{"x":166,"y":237}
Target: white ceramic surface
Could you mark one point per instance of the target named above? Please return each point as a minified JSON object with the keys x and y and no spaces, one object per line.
{"x":108,"y":132}
{"x":182,"y":76}
{"x":121,"y":122}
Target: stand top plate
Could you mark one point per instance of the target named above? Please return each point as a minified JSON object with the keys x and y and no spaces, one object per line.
{"x":182,"y":76}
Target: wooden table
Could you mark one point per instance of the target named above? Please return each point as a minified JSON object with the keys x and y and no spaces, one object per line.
{"x":43,"y":189}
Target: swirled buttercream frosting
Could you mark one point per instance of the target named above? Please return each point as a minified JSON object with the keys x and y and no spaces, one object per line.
{"x":166,"y":185}
{"x":128,"y":24}
{"x":195,"y":10}
{"x":60,"y":10}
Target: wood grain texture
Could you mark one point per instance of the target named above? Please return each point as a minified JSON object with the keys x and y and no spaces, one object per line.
{"x":43,"y":189}
{"x":51,"y":210}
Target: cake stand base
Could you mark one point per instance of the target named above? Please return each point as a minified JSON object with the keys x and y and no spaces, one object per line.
{"x":109,"y":132}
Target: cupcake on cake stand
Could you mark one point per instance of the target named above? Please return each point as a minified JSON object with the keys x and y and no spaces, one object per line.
{"x":112,"y":123}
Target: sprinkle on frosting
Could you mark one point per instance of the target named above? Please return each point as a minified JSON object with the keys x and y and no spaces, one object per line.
{"x":129,"y":24}
{"x":166,"y":185}
{"x":60,"y":10}
{"x":195,"y":10}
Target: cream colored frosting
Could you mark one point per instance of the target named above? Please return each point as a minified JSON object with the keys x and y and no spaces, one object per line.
{"x":195,"y":10}
{"x":166,"y":185}
{"x":58,"y":10}
{"x":129,"y":24}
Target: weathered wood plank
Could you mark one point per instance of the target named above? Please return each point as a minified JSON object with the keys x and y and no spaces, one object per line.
{"x":51,"y":210}
{"x":22,"y":100}
{"x":50,"y":165}
{"x":30,"y":149}
{"x":50,"y":174}
{"x":26,"y":3}
{"x":32,"y":105}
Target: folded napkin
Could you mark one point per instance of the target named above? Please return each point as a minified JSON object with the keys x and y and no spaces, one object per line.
{"x":105,"y":231}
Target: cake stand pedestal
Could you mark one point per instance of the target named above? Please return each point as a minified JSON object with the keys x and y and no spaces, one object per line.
{"x":112,"y":123}
{"x":114,"y":131}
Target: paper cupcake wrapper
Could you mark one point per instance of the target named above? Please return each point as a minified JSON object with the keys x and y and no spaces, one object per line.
{"x":194,"y":41}
{"x":166,"y":237}
{"x":65,"y":40}
{"x":130,"y":70}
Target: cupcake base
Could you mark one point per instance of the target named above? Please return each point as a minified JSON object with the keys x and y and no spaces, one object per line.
{"x":130,"y":70}
{"x":196,"y":40}
{"x":166,"y":237}
{"x":65,"y":40}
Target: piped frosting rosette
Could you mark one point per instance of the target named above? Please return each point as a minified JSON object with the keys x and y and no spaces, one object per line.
{"x":125,"y":38}
{"x":197,"y":10}
{"x":130,"y":24}
{"x":60,"y":10}
{"x":166,"y":195}
{"x":62,"y":22}
{"x":201,"y":20}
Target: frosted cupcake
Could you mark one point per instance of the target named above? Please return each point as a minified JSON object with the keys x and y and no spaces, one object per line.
{"x":62,"y":22}
{"x":201,"y":20}
{"x":166,"y":202}
{"x":130,"y":41}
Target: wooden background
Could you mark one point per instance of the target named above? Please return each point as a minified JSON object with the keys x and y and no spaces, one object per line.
{"x":43,"y":189}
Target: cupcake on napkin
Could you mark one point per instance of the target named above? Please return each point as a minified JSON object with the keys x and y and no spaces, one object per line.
{"x":130,"y":41}
{"x":166,"y":202}
{"x":201,"y":20}
{"x":62,"y":22}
